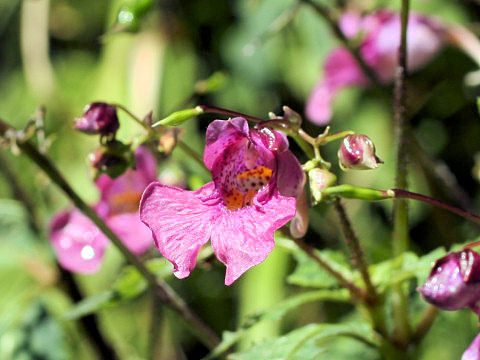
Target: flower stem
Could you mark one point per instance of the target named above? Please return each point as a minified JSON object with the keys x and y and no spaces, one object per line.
{"x":333,"y":23}
{"x":355,"y":192}
{"x":160,"y":288}
{"x":217,"y":110}
{"x":354,"y":290}
{"x":400,"y":211}
{"x":425,"y":323}
{"x":355,"y":248}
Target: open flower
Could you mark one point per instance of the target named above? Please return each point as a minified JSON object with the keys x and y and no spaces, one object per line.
{"x":256,"y":180}
{"x":80,"y":245}
{"x":379,"y":48}
{"x":454,"y":281}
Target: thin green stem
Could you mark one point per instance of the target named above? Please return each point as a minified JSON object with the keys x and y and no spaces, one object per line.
{"x":160,"y":288}
{"x":306,"y":148}
{"x":400,"y":211}
{"x":217,"y":110}
{"x":425,"y":323}
{"x":356,"y":251}
{"x":192,"y":153}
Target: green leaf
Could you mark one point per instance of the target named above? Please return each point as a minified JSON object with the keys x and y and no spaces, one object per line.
{"x":311,"y":274}
{"x":90,"y":305}
{"x":405,"y":267}
{"x":303,"y":343}
{"x":40,"y":336}
{"x":229,"y":338}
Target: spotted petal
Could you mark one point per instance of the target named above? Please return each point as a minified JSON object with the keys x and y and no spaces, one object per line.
{"x":244,"y":238}
{"x":221,"y":135}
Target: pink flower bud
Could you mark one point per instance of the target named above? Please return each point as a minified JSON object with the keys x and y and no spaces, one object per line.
{"x":320,"y":179}
{"x":454,"y":281}
{"x":358,"y":152}
{"x":98,"y":118}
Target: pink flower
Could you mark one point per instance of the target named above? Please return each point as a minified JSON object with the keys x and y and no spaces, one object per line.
{"x":255,"y":182}
{"x":80,"y":245}
{"x":473,"y":351}
{"x":379,"y":48}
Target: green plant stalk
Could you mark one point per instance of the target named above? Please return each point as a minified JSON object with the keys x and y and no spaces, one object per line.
{"x":402,"y":328}
{"x":160,"y":288}
{"x":353,"y":244}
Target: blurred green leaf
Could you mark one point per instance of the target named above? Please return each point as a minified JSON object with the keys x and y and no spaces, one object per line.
{"x":91,"y":304}
{"x":229,"y":338}
{"x":303,"y":343}
{"x":40,"y":336}
{"x":130,"y":284}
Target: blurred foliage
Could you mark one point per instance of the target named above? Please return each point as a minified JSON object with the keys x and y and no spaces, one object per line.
{"x":64,"y":54}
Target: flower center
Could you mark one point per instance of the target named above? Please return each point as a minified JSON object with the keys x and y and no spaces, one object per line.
{"x":241,"y":192}
{"x":125,"y":202}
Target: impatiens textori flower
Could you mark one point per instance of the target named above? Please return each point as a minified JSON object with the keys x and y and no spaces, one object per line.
{"x":454,"y":281}
{"x":98,"y":118}
{"x":80,"y":245}
{"x":256,"y":180}
{"x":380,"y":33}
{"x":473,"y":351}
{"x":357,"y":152}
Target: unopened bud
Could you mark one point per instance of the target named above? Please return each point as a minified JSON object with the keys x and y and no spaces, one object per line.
{"x":454,"y":281}
{"x":358,"y":152}
{"x":113,"y":160}
{"x":320,"y":179}
{"x":98,"y":118}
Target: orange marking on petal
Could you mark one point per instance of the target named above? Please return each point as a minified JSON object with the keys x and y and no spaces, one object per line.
{"x":126,"y":201}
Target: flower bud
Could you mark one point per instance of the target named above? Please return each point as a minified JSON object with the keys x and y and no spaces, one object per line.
{"x":98,"y":118}
{"x":454,"y":281}
{"x":320,"y":179}
{"x":113,"y":159}
{"x":473,"y":351}
{"x":358,"y":152}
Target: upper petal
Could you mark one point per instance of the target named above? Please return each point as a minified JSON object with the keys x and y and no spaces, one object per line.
{"x":78,"y":243}
{"x":290,"y":176}
{"x":180,"y":221}
{"x":243,"y":238}
{"x":221,"y":134}
{"x":134,"y":234}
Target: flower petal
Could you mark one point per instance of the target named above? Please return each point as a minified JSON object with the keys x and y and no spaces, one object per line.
{"x":133,"y":233}
{"x":290,"y":176}
{"x":473,"y":351}
{"x":221,"y":134}
{"x":243,"y":238}
{"x":180,"y":221}
{"x":78,"y":243}
{"x":340,"y":70}
{"x":132,"y":180}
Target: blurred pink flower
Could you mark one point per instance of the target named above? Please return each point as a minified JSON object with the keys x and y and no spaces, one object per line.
{"x":473,"y":351}
{"x":256,"y":180}
{"x":80,"y":245}
{"x":380,"y":33}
